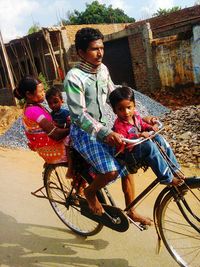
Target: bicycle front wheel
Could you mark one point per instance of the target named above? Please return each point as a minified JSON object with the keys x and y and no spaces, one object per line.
{"x":64,"y":201}
{"x":179,"y":223}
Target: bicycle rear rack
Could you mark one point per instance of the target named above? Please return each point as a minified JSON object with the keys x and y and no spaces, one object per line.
{"x":40,"y":194}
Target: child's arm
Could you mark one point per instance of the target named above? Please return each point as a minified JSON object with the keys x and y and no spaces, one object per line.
{"x":65,"y":125}
{"x":150,"y":119}
{"x":144,"y":134}
{"x":147,"y":124}
{"x":53,"y":131}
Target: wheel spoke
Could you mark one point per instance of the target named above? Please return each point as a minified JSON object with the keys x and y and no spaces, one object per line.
{"x":64,"y":201}
{"x":179,"y":226}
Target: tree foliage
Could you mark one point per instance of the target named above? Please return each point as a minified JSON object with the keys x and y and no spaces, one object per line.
{"x":165,"y":11}
{"x":42,"y":78}
{"x":35,"y":28}
{"x":96,"y":13}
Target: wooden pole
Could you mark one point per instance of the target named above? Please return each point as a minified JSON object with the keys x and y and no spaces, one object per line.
{"x":14,"y":50}
{"x":4,"y":70}
{"x":51,"y":51}
{"x":7,"y":62}
{"x":65,"y":48}
{"x":44,"y":61}
{"x":7,"y":66}
{"x":32,"y":57}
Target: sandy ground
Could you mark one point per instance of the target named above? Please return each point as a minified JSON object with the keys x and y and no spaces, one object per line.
{"x":32,"y":235}
{"x":8,"y":115}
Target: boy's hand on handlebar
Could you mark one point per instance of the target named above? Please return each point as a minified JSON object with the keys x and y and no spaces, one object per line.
{"x":145,"y":134}
{"x":150,"y":120}
{"x":155,"y":127}
{"x":114,"y":139}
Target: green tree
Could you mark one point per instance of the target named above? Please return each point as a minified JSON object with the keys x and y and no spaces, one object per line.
{"x":35,"y":28}
{"x":42,"y":78}
{"x":164,"y":11}
{"x":96,"y":13}
{"x":197,"y":2}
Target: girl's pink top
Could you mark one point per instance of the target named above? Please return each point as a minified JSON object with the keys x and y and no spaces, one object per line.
{"x":50,"y":150}
{"x":36,"y":113}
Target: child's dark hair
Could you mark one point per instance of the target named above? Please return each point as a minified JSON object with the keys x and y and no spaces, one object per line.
{"x":53,"y":91}
{"x":86,"y":35}
{"x":119,"y":94}
{"x":27,"y":84}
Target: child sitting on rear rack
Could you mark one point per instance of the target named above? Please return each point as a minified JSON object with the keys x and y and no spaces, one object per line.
{"x":60,"y":117}
{"x":130,"y":125}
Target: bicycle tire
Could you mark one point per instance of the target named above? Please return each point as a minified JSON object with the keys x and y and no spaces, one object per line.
{"x":179,"y":228}
{"x":58,"y":189}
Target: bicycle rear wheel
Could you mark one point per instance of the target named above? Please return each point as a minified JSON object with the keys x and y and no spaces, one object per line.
{"x":64,"y":201}
{"x":179,"y":223}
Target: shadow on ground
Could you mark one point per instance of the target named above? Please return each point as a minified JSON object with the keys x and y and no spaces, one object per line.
{"x":26,"y":245}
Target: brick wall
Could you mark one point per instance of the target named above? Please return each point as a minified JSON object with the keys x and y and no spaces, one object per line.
{"x":138,"y":56}
{"x":172,"y":23}
{"x":147,"y":75}
{"x":145,"y":71}
{"x":104,"y":28}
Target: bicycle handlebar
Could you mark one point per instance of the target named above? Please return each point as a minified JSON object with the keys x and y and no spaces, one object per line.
{"x":142,"y":139}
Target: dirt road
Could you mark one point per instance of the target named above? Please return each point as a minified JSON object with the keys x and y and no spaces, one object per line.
{"x":31,"y":235}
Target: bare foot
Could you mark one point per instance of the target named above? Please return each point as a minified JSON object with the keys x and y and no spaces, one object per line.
{"x":80,"y":191}
{"x":177,"y":181}
{"x":69,"y":173}
{"x":180,"y":175}
{"x":139,"y":218}
{"x":93,"y":202}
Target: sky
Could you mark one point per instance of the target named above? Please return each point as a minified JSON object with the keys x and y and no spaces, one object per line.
{"x":17,"y":16}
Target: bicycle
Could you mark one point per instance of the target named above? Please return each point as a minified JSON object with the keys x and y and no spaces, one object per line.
{"x":176,"y":211}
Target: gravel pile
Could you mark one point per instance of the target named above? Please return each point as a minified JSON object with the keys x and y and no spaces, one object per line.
{"x":182,"y":130}
{"x":15,"y":137}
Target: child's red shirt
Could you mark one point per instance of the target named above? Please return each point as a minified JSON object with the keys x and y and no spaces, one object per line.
{"x":129,"y":130}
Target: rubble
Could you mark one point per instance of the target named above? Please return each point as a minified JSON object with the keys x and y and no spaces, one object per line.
{"x":182,"y":130}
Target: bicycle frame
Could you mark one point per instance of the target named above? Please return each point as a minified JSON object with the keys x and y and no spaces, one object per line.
{"x":142,"y":194}
{"x":170,"y":199}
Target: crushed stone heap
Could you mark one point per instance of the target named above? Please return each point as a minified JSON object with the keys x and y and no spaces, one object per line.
{"x":182,"y":130}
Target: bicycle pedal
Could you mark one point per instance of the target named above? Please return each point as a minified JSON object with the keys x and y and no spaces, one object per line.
{"x":140,"y":226}
{"x":144,"y":226}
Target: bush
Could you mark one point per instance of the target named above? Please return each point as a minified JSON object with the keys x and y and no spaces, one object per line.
{"x":42,"y":78}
